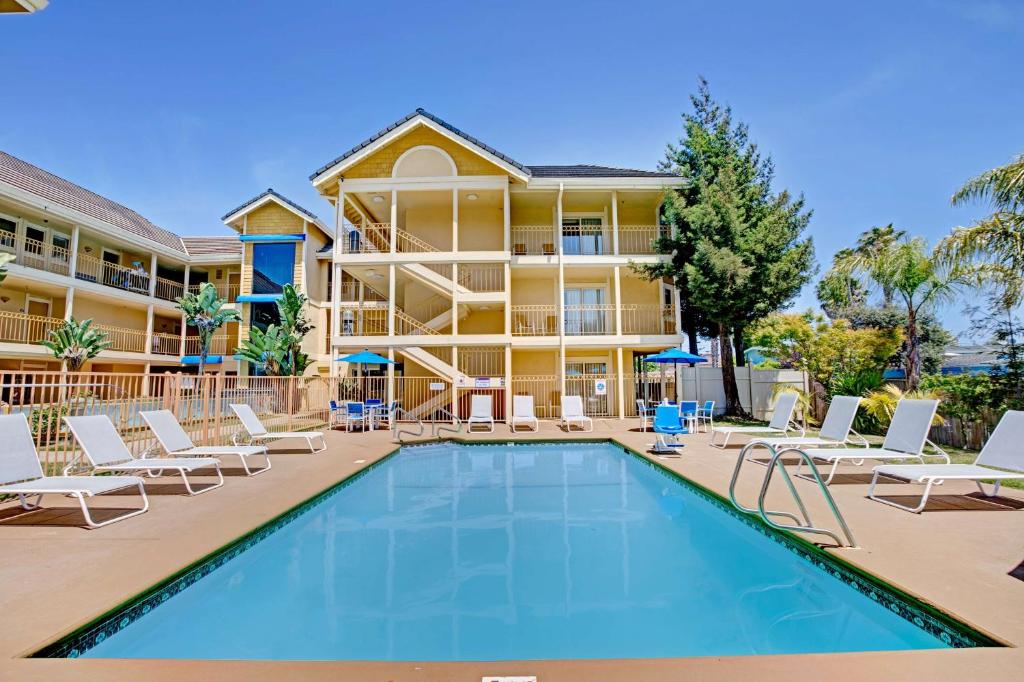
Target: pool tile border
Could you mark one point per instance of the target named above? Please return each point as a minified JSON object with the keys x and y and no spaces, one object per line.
{"x":947,"y":629}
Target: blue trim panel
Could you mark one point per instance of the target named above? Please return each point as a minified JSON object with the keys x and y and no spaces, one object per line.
{"x":272,"y":237}
{"x":258,"y":298}
{"x":210,"y":359}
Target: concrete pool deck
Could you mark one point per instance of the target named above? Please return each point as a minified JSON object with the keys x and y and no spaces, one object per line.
{"x":56,"y":576}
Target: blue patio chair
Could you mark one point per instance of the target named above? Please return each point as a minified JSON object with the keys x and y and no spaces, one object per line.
{"x":335,"y":415}
{"x":688,"y":411}
{"x":706,"y":414}
{"x":668,"y":422}
{"x":386,"y":413}
{"x":356,"y":413}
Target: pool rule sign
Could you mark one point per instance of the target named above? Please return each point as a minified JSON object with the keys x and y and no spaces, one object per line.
{"x":601,"y":387}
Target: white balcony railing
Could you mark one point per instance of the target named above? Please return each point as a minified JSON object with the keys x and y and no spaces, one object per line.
{"x":533,"y":240}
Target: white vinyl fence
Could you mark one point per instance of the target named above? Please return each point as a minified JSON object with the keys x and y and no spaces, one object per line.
{"x":756,"y":386}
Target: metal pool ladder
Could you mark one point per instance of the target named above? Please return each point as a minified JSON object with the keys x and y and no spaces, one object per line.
{"x":802,"y":526}
{"x":436,"y":428}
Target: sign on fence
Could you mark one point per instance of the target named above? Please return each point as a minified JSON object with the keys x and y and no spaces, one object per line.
{"x":601,"y":387}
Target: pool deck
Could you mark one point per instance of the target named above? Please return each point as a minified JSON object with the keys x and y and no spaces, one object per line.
{"x":55,"y":576}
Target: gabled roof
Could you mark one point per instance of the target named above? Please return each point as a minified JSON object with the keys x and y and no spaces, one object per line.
{"x":52,"y":188}
{"x":588,"y":171}
{"x":213,"y":246}
{"x":305,"y":213}
{"x":466,"y":137}
{"x":569,"y":171}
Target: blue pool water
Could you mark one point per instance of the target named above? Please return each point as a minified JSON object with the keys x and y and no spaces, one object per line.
{"x":454,"y":552}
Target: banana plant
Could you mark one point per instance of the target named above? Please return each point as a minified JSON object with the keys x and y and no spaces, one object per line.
{"x":206,"y":312}
{"x":5,"y":258}
{"x":73,"y":343}
{"x":275,"y":351}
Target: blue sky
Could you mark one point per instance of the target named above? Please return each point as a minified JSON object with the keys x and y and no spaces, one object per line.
{"x":875,"y":111}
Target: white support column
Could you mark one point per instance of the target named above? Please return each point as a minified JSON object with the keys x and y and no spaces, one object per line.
{"x":618,"y":301}
{"x":678,"y":310}
{"x":394,"y":221}
{"x":508,"y":384}
{"x":620,"y":384}
{"x":455,"y":220}
{"x":149,"y":329}
{"x":391,"y":299}
{"x":455,"y":366}
{"x":69,"y":303}
{"x":508,"y":298}
{"x":507,"y":218}
{"x":188,"y":275}
{"x":455,"y":299}
{"x":561,"y":290}
{"x":73,"y":256}
{"x":335,"y":293}
{"x":145,"y":379}
{"x":391,"y":376}
{"x":184,"y":333}
{"x":152,"y":275}
{"x":615,"y":222}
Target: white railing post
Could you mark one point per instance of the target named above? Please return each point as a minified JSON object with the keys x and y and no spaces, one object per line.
{"x":152,"y":275}
{"x":615,"y":222}
{"x":73,"y":256}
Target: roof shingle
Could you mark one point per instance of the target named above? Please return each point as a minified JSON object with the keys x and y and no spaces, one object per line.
{"x":213,"y":246}
{"x":50,"y":187}
{"x":589,"y":171}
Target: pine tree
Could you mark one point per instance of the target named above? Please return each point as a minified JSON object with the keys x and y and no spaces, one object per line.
{"x":737,"y":248}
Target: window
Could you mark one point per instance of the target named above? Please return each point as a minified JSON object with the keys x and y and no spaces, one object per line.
{"x":262,"y":315}
{"x":273,"y":266}
{"x":582,"y":236}
{"x":585,"y":312}
{"x":8,"y":232}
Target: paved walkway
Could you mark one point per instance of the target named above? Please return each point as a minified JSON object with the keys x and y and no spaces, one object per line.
{"x":55,"y":576}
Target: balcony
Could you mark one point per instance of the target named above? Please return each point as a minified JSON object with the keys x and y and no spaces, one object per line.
{"x":228,"y":292}
{"x":219,"y":345}
{"x":22,"y":328}
{"x":592,"y":320}
{"x":638,"y":240}
{"x":533,"y":240}
{"x":92,"y":269}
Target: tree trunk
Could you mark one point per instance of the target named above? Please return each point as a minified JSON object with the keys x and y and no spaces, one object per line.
{"x":733,"y":407}
{"x":913,"y":364}
{"x":690,"y":329}
{"x":737,"y":344}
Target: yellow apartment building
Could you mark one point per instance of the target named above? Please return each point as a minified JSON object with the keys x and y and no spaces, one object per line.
{"x":461,"y":264}
{"x":471,"y":271}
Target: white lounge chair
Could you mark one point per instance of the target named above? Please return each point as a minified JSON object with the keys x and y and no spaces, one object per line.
{"x":780,"y":425}
{"x":480,"y":412}
{"x":178,"y":444}
{"x":522,"y":412}
{"x":257,"y":432}
{"x":572,"y":413}
{"x":836,"y":429}
{"x":905,"y":438}
{"x":21,"y":474}
{"x":1004,"y":449}
{"x":103,"y":447}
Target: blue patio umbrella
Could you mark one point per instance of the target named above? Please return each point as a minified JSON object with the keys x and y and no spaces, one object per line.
{"x":673,"y":356}
{"x":365,"y":357}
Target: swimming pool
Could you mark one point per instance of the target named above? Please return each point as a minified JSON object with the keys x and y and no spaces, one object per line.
{"x":512,"y":552}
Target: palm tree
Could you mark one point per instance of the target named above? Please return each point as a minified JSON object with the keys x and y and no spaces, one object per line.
{"x":993,"y":247}
{"x":74,"y":343}
{"x":205,"y":311}
{"x":877,"y":240}
{"x":919,"y":278}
